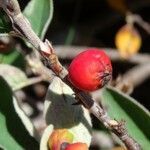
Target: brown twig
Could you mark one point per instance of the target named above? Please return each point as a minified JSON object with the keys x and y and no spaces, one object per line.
{"x":134,"y":18}
{"x":134,"y":77}
{"x":22,"y":26}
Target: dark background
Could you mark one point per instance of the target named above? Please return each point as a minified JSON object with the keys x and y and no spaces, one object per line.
{"x":95,"y":23}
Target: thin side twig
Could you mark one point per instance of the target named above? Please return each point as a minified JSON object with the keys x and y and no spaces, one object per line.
{"x":135,"y":76}
{"x":29,"y":82}
{"x":22,"y":27}
{"x":69,"y":52}
{"x":134,"y":18}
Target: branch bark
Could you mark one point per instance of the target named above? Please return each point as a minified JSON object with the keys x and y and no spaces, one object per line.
{"x":22,"y":27}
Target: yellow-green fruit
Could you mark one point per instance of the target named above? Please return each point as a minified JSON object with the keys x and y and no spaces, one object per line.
{"x":58,"y":137}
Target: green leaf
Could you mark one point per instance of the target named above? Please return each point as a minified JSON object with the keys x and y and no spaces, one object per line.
{"x":14,"y":76}
{"x":14,"y":134}
{"x":12,"y":57}
{"x":5,"y":24}
{"x":39,"y":13}
{"x":121,"y":106}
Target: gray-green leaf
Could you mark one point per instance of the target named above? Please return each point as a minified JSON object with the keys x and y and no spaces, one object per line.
{"x":39,"y":13}
{"x":14,"y":76}
{"x":137,"y":118}
{"x":14,"y":135}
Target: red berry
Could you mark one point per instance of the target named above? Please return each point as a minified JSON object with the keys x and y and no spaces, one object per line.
{"x":77,"y":146}
{"x":90,"y":70}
